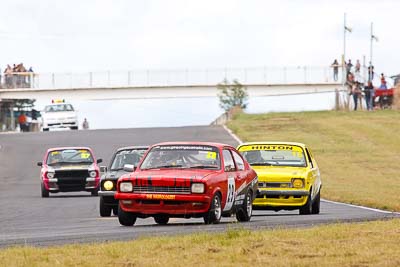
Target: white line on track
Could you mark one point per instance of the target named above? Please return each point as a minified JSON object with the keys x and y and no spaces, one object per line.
{"x":361,"y":207}
{"x":232,"y":134}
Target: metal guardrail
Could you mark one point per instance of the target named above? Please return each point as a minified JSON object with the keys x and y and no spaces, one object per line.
{"x":182,"y":77}
{"x":17,"y":80}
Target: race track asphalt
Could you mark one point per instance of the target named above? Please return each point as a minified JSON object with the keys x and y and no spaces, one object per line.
{"x":28,"y":219}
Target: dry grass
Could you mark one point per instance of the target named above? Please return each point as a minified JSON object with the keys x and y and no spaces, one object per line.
{"x":362,"y":244}
{"x":357,"y":152}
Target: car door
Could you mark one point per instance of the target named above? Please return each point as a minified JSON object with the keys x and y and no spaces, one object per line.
{"x":230,"y":184}
{"x":314,"y":173}
{"x":242,"y":175}
{"x":317,"y":175}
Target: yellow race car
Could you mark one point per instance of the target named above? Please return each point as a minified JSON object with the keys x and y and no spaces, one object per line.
{"x":288,"y":176}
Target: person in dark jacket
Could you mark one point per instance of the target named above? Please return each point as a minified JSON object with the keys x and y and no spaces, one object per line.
{"x":369,"y":95}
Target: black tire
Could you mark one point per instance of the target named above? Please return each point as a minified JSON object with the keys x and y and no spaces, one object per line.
{"x":245,"y":211}
{"x":95,"y":192}
{"x":161,"y":219}
{"x":45,"y":129}
{"x":306,"y":209}
{"x":74,"y":128}
{"x":316,"y":204}
{"x":115,"y":210}
{"x":105,"y":211}
{"x":45,"y":192}
{"x":214,"y":213}
{"x":126,"y":218}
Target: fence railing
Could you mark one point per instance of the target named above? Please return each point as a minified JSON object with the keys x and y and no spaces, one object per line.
{"x":182,"y":77}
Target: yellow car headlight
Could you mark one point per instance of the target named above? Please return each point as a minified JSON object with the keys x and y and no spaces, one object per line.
{"x":108,"y":185}
{"x":297,"y":183}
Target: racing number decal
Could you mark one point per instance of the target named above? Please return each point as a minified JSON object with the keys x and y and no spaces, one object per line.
{"x":85,"y":155}
{"x":211,"y":155}
{"x":230,"y":196}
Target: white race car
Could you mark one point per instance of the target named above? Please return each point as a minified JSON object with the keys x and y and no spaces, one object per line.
{"x":59,"y":115}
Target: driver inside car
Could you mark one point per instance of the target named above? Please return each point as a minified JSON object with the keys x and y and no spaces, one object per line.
{"x":254,"y":156}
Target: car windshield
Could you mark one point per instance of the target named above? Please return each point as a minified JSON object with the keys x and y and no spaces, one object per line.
{"x":270,"y":155}
{"x":59,"y":108}
{"x":68,"y":156}
{"x":182,"y":157}
{"x":123,"y":157}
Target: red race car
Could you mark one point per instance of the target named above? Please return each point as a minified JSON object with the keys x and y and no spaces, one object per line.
{"x":69,"y":169}
{"x":182,"y":179}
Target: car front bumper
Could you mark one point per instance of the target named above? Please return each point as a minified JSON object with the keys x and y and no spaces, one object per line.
{"x":60,"y":124}
{"x":280,"y":198}
{"x":162,"y":203}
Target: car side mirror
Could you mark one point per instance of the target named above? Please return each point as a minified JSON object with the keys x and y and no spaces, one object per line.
{"x":40,"y":164}
{"x":99,"y":161}
{"x":103,"y":169}
{"x":129,"y":167}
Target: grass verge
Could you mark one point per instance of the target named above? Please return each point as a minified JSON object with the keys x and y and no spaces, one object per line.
{"x":360,"y":244}
{"x":357,"y":152}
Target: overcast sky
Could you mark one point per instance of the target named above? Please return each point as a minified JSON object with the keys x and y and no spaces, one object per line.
{"x":90,"y":35}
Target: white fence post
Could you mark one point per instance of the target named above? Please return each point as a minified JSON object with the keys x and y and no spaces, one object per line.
{"x":53,"y":80}
{"x":265,"y":74}
{"x":284,"y":75}
{"x":70,"y":80}
{"x":90,"y":79}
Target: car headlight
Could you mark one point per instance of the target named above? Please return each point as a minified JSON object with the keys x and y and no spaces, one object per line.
{"x":93,"y":174}
{"x":108,"y":185}
{"x":126,"y":187}
{"x":197,"y":188}
{"x":297,"y":183}
{"x":50,"y":175}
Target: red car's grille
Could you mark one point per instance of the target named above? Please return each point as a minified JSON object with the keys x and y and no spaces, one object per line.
{"x":72,"y":174}
{"x":162,"y":189}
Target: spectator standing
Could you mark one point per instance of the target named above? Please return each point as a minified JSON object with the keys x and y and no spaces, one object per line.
{"x":370,"y":72}
{"x":31,"y":80}
{"x":358,"y":66}
{"x":85,"y":124}
{"x":349,"y":65}
{"x":356,"y":91}
{"x":8,"y":76}
{"x":369,"y":95}
{"x":383,"y":82}
{"x":22,"y":120}
{"x":335,"y":66}
{"x":350,"y":82}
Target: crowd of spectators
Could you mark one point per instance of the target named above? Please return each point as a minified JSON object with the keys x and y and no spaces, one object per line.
{"x":16,"y":76}
{"x":357,"y":85}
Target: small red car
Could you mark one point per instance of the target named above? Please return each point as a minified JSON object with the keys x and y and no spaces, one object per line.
{"x":69,"y":169}
{"x":185,"y":179}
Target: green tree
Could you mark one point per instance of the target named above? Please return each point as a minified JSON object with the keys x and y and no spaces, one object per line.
{"x":232,"y":95}
{"x":22,"y":104}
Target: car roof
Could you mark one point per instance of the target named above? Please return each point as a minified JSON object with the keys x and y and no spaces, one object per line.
{"x":219,"y":145}
{"x":273,"y":143}
{"x":69,"y":147}
{"x":133,"y":148}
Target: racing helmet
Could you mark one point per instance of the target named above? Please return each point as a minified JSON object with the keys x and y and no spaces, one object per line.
{"x":253,"y":156}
